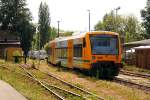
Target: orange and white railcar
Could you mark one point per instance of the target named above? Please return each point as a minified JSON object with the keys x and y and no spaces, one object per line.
{"x":97,"y":51}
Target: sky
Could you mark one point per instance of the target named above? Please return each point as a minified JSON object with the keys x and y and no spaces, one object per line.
{"x":73,"y":14}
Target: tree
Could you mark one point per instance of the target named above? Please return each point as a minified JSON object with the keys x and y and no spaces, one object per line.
{"x":99,"y":26}
{"x":145,"y":13}
{"x":53,"y":32}
{"x":13,"y":12}
{"x":16,"y":14}
{"x":127,"y":26}
{"x":133,"y":29}
{"x":66,"y":33}
{"x":6,"y":13}
{"x":26,"y":36}
{"x":44,"y":23}
{"x":35,"y":41}
{"x":111,"y":22}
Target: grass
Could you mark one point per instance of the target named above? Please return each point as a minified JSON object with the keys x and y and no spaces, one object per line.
{"x":121,"y":92}
{"x":107,"y":89}
{"x":46,"y":78}
{"x":51,"y":81}
{"x":27,"y":87}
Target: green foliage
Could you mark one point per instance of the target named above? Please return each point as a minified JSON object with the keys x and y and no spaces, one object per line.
{"x":44,"y":23}
{"x":133,"y":29}
{"x":145,"y":13}
{"x":110,"y":23}
{"x":66,"y":33}
{"x":46,"y":47}
{"x":16,"y":14}
{"x":53,"y":33}
{"x":26,"y":35}
{"x":99,"y":26}
{"x":35,"y":41}
{"x":13,"y":12}
{"x":127,"y":26}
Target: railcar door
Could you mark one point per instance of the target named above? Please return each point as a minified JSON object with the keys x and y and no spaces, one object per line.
{"x":70,"y":53}
{"x":53,"y":53}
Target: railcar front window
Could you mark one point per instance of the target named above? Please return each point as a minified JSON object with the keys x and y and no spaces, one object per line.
{"x":104,"y":44}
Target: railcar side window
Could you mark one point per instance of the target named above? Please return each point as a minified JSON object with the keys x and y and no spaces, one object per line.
{"x":77,"y":50}
{"x":61,"y":53}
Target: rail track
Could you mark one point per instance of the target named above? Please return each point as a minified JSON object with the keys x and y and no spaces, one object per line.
{"x":59,"y":92}
{"x":145,"y":88}
{"x":29,"y":75}
{"x":62,"y":93}
{"x":85,"y":92}
{"x":135,"y":74}
{"x":131,"y":84}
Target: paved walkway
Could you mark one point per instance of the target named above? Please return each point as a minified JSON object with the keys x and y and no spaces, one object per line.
{"x":7,"y":92}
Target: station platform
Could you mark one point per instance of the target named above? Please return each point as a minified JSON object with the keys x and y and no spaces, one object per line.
{"x":7,"y":92}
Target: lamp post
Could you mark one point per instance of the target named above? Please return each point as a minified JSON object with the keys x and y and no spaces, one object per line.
{"x":89,"y":19}
{"x":58,"y":28}
{"x":116,"y":10}
{"x":50,"y":28}
{"x":39,"y":50}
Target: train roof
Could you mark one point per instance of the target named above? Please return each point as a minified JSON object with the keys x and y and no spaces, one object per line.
{"x":81,"y":35}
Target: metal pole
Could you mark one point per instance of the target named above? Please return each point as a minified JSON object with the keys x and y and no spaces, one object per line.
{"x":58,"y":28}
{"x":39,"y":41}
{"x":89,"y":20}
{"x":50,"y":29}
{"x":39,"y":52}
{"x":116,"y":9}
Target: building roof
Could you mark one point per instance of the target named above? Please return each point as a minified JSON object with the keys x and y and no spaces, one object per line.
{"x":142,"y":47}
{"x":7,"y":35}
{"x":9,"y":43}
{"x":142,"y":42}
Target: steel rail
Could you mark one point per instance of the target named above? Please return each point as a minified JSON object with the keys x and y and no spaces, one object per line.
{"x":56,"y":87}
{"x":63,"y":90}
{"x":135,"y":74}
{"x":29,"y":75}
{"x":43,"y":85}
{"x":72,"y":93}
{"x":132,"y":84}
{"x":71,"y":85}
